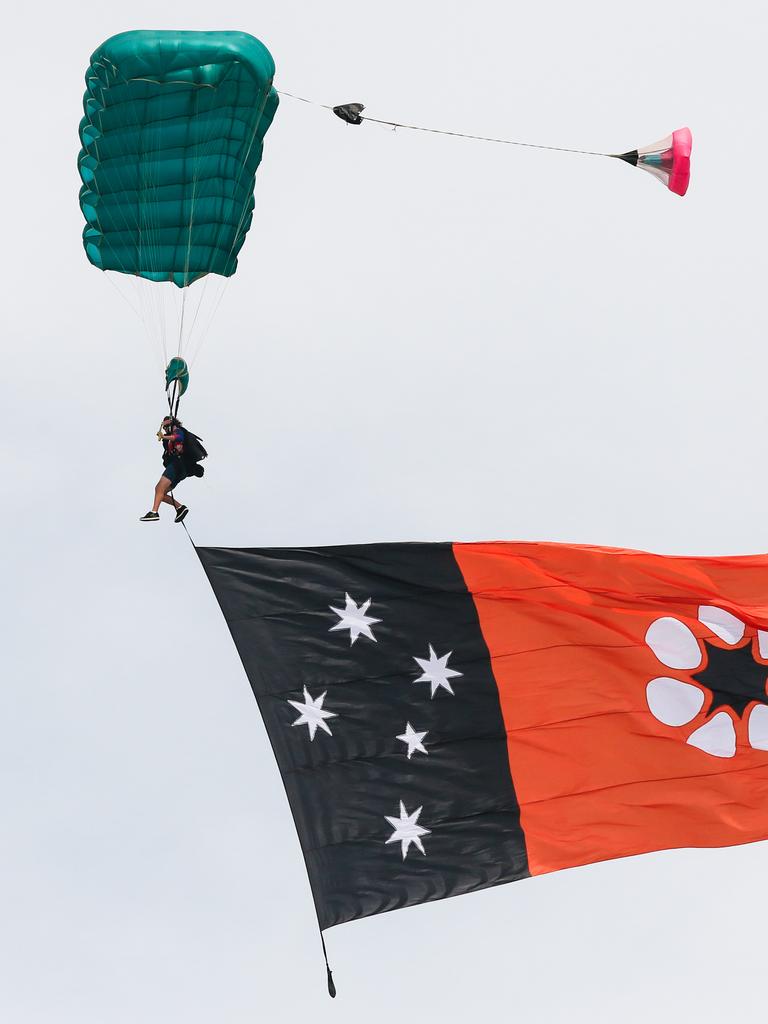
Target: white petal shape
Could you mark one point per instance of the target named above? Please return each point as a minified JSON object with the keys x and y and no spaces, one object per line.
{"x":673,"y":702}
{"x":762,"y":643}
{"x":717,"y":737}
{"x":722,"y":623}
{"x":758,"y":727}
{"x":673,"y":643}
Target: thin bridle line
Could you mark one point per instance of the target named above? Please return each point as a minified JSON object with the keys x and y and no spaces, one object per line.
{"x":303,"y":99}
{"x":456,"y":135}
{"x":484,"y":138}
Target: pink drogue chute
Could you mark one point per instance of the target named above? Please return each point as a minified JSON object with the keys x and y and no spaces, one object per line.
{"x":668,"y":160}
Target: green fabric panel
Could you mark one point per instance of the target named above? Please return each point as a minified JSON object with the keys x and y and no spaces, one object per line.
{"x":172,"y":135}
{"x":178,"y":370}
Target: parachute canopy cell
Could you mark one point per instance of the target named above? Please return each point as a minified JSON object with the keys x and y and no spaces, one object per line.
{"x":171,"y":139}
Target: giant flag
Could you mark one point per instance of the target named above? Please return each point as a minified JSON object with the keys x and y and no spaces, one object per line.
{"x":448,"y":717}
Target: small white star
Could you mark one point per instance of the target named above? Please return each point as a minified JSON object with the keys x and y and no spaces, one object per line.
{"x":407,"y":831}
{"x":436,"y":671}
{"x":312,"y":714}
{"x":413,"y":739}
{"x":354,"y":619}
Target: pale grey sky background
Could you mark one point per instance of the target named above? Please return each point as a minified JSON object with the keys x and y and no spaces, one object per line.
{"x":426,"y":339}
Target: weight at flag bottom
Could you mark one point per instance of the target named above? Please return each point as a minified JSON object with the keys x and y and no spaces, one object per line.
{"x":448,"y":717}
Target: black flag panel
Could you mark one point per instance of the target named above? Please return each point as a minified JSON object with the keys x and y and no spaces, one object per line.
{"x":375,"y":685}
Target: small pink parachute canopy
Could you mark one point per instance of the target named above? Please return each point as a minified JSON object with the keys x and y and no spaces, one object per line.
{"x":668,"y":160}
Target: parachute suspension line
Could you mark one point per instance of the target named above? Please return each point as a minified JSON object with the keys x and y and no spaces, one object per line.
{"x":102,"y":108}
{"x":205,"y":148}
{"x":163,"y":306}
{"x":195,"y":175}
{"x":243,"y":166}
{"x":96,"y":184}
{"x":205,"y":333}
{"x":145,"y":182}
{"x":153,"y":295}
{"x":181,"y":319}
{"x":191,"y":331}
{"x":202,"y":150}
{"x":441,"y":131}
{"x":236,"y":233}
{"x":140,"y":309}
{"x":152,"y":303}
{"x":139,"y":313}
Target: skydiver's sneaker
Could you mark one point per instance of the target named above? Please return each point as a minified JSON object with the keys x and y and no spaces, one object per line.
{"x":181,"y":514}
{"x":150,"y":517}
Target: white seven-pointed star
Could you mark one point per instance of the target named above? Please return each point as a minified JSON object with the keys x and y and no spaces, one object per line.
{"x":436,"y":671}
{"x":413,"y":739}
{"x":353,"y":618}
{"x":311,"y":713}
{"x":407,"y":831}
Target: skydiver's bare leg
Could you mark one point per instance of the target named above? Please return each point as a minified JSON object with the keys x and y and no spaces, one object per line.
{"x":161,"y":494}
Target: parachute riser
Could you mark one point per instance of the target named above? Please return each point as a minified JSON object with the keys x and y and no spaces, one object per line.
{"x":174,"y":397}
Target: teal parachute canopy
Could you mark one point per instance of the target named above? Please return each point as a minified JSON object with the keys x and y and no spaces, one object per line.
{"x":171,"y":139}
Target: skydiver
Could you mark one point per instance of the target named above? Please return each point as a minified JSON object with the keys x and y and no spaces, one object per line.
{"x":173,"y":437}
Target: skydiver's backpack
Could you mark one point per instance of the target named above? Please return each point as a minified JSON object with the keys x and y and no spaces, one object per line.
{"x":194,"y":453}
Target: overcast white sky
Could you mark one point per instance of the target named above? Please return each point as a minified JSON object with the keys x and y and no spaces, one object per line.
{"x":426,"y":339}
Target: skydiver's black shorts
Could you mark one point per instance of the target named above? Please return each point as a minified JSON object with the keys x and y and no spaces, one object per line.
{"x":175,"y":472}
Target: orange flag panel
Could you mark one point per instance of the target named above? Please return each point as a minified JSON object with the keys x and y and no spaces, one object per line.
{"x":633,"y":693}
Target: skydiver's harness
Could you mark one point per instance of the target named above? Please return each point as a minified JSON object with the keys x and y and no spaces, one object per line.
{"x":192,"y":454}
